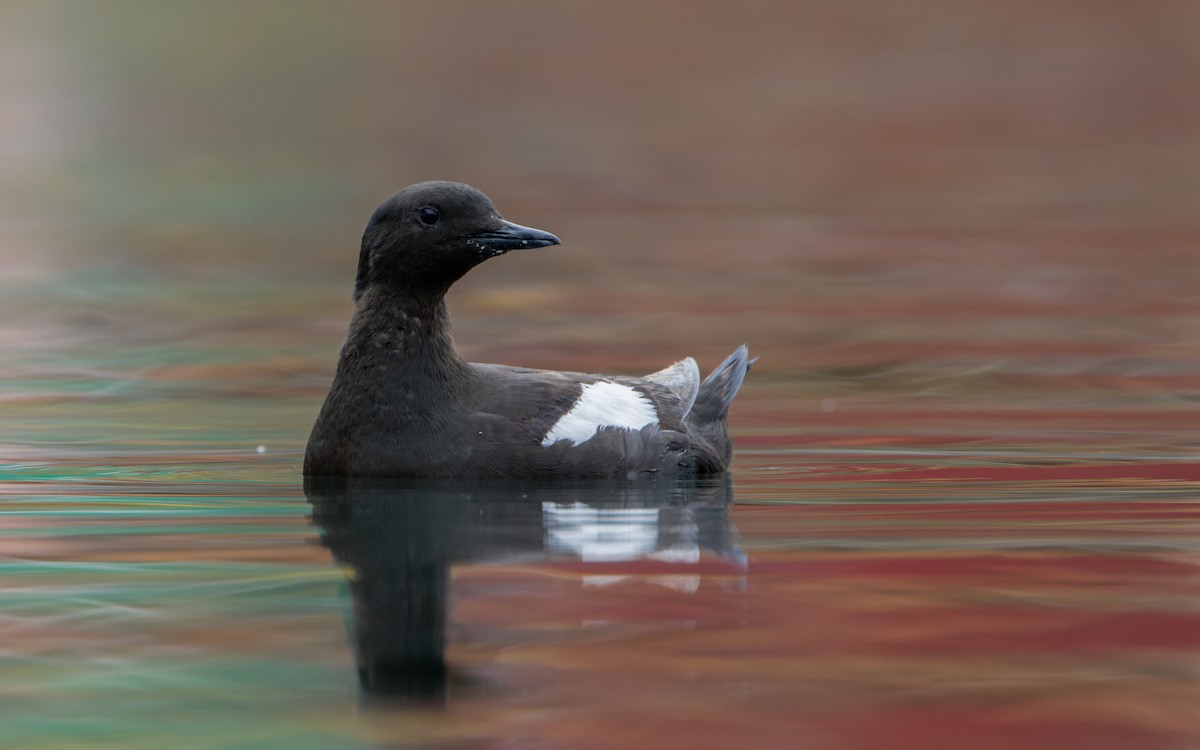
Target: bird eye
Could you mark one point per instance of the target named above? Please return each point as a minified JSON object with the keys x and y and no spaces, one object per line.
{"x":428,"y":215}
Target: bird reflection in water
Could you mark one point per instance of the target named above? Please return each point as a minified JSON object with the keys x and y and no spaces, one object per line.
{"x":401,"y":537}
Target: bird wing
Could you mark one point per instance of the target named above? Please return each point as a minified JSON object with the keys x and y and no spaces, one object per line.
{"x":573,"y":406}
{"x":682,"y":379}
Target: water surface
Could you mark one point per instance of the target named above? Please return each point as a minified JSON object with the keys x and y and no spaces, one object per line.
{"x":965,"y":503}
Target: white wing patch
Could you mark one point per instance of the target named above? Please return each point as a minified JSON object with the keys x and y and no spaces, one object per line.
{"x":600,"y":405}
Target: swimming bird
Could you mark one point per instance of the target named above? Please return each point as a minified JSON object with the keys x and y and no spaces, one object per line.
{"x":405,"y":403}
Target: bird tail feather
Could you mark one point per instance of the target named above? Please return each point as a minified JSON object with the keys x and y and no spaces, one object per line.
{"x":719,"y":388}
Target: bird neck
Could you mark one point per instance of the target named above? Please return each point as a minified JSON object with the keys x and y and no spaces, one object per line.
{"x":407,"y":329}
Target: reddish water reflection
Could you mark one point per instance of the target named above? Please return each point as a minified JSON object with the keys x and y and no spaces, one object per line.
{"x":860,"y":624}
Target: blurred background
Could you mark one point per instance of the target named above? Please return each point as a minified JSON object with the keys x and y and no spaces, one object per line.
{"x":915,"y":214}
{"x":961,"y":237}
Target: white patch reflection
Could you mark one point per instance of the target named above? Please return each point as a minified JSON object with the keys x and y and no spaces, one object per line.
{"x":622,"y":534}
{"x":601,"y":534}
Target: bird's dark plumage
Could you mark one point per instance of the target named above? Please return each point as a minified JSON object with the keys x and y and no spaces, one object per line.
{"x":404,"y":403}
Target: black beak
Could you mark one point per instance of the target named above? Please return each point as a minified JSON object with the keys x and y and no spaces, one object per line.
{"x":513,"y":237}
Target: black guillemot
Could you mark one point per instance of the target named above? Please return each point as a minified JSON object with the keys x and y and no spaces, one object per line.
{"x":404,"y":403}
